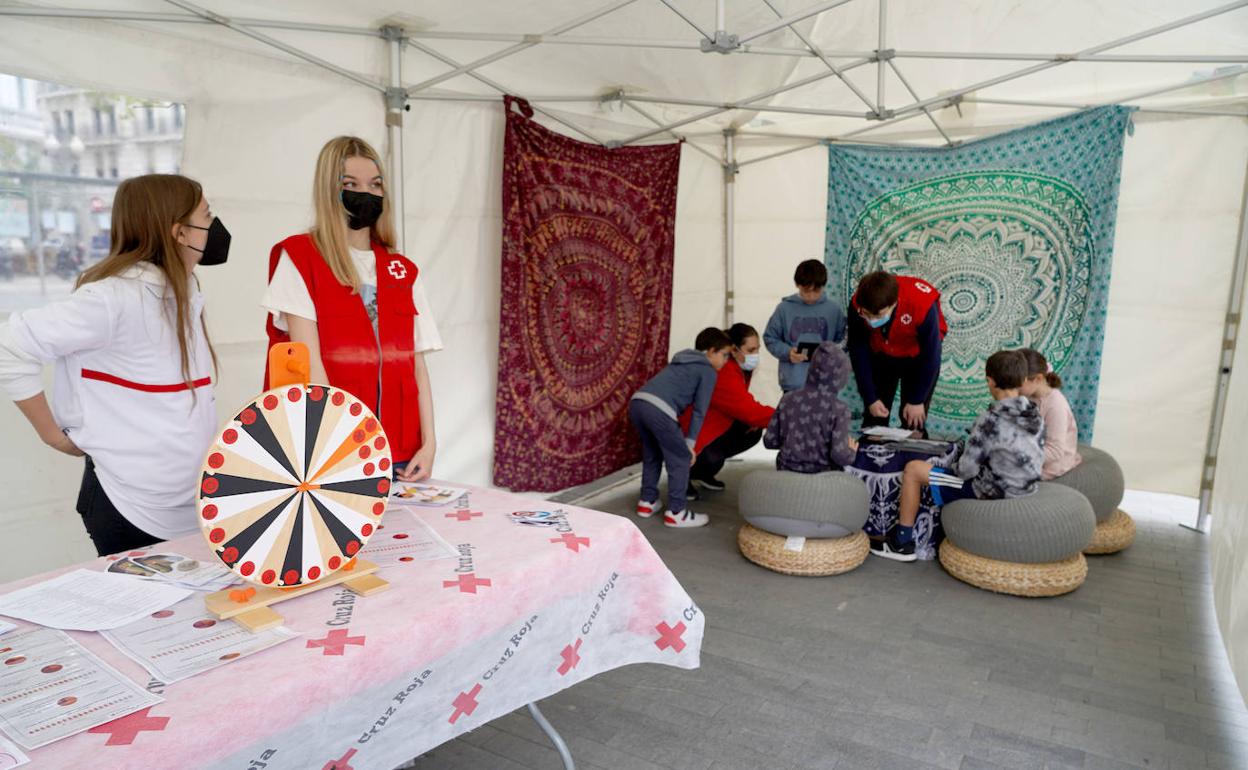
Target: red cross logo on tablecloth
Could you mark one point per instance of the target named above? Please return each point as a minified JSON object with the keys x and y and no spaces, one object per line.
{"x":341,"y":762}
{"x":122,"y":732}
{"x":397,"y":269}
{"x":467,"y":583}
{"x":336,"y":641}
{"x":571,"y":656}
{"x":670,"y":637}
{"x":573,"y":542}
{"x":464,"y":515}
{"x":465,"y":703}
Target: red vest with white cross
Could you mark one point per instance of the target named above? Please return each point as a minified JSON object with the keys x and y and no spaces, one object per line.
{"x":380,"y":369}
{"x":915,"y":298}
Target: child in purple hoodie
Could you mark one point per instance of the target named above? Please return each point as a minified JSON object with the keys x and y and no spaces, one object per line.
{"x":811,"y":425}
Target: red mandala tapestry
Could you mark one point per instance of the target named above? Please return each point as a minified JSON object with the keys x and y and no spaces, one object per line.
{"x":588,"y":237}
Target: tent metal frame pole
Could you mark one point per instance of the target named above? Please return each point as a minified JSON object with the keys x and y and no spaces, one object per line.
{"x":915,"y":95}
{"x":298,"y":53}
{"x":827,"y":61}
{"x":781,"y":153}
{"x":1102,"y":58}
{"x":730,"y":216}
{"x":687,"y":19}
{"x":497,"y":87}
{"x":785,"y":21}
{"x":738,"y":105}
{"x":396,"y":106}
{"x":745,"y":104}
{"x":879,"y":53}
{"x":686,"y":140}
{"x":1183,"y":22}
{"x":1083,"y":106}
{"x":1226,"y":359}
{"x":466,"y":69}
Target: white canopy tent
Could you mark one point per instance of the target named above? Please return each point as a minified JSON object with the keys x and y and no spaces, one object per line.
{"x":754,"y":87}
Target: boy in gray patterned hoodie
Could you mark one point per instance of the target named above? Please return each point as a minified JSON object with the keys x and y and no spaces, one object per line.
{"x":1002,"y":458}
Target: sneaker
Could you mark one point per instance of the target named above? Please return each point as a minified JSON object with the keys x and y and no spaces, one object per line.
{"x":711,"y":485}
{"x":891,"y":549}
{"x":876,"y":544}
{"x":686,"y":518}
{"x":691,"y":493}
{"x":646,"y":510}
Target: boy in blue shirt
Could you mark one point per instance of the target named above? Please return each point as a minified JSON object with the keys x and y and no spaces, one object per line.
{"x":809,"y":316}
{"x":654,"y":410}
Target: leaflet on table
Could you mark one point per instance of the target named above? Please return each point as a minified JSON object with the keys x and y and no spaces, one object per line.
{"x":54,"y":688}
{"x":404,"y":537}
{"x":430,"y":495}
{"x":4,"y":629}
{"x":84,"y":600}
{"x":891,"y":434}
{"x":185,"y":640}
{"x":175,"y":569}
{"x":11,"y":755}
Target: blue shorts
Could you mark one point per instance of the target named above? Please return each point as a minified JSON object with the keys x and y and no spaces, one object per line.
{"x":947,"y":487}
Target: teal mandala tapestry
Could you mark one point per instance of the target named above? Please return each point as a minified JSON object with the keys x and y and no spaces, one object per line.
{"x":1017,"y":233}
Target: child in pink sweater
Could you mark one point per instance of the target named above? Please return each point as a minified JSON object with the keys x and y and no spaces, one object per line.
{"x":1061,"y":435}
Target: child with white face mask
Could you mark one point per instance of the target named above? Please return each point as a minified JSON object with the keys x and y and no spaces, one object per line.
{"x":735,"y":420}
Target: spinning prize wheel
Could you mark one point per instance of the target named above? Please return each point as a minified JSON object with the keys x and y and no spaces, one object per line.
{"x":294,"y":485}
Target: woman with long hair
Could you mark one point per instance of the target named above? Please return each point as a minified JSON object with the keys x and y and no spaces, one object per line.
{"x":133,"y":366}
{"x":343,"y":290}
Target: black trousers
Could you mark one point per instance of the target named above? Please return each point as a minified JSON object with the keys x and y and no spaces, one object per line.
{"x":888,"y":373}
{"x":109,"y":530}
{"x":734,"y":441}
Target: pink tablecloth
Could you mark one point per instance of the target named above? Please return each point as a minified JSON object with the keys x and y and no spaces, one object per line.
{"x":520,"y":614}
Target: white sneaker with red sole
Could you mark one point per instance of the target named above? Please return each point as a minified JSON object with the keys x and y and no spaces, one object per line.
{"x":685,"y":519}
{"x":646,"y":510}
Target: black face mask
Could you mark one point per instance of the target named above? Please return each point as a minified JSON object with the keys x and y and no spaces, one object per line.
{"x":217,"y":248}
{"x":364,"y":208}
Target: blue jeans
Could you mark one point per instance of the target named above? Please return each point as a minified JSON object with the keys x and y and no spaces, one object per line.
{"x":661,"y":442}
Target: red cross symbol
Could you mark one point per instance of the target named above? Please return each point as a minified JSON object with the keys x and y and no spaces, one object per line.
{"x":467,"y":583}
{"x":573,"y":542}
{"x":341,"y":763}
{"x":464,"y":515}
{"x":670,"y":637}
{"x":571,"y":656}
{"x":465,"y":703}
{"x":397,"y":269}
{"x":122,"y":732}
{"x":335,"y":642}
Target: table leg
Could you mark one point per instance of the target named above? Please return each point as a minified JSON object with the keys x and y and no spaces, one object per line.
{"x":554,"y":736}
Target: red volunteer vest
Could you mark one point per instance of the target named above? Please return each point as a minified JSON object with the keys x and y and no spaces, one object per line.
{"x":915,"y":298}
{"x":349,"y":350}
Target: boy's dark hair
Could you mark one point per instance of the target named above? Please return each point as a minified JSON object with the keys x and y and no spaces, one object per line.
{"x":1038,"y":364}
{"x":812,"y":273}
{"x":710,"y":339}
{"x":877,"y":291}
{"x":739,"y":333}
{"x":1007,"y":368}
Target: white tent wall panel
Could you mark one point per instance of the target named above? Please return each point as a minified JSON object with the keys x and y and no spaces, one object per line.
{"x":1228,"y":539}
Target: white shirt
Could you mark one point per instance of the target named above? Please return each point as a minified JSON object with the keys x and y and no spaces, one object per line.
{"x":118,"y":390}
{"x":288,"y":294}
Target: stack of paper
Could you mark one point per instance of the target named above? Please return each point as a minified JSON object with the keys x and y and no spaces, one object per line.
{"x":83,"y":600}
{"x":175,"y":569}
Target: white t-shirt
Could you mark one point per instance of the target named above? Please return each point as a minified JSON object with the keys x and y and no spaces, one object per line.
{"x":288,"y":294}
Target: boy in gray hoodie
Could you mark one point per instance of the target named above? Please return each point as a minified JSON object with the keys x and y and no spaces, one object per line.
{"x":1002,"y":458}
{"x":811,"y":426}
{"x":654,"y":410}
{"x":809,"y":317}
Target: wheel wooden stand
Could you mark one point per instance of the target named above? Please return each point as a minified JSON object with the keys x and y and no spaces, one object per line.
{"x":291,"y":490}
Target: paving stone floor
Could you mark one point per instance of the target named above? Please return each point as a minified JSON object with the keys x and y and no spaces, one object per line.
{"x":896,"y":665}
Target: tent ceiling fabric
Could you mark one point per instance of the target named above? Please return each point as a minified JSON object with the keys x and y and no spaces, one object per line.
{"x":1033,"y":27}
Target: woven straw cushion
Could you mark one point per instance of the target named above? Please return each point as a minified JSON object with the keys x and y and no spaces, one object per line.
{"x":1053,"y":524}
{"x":832,"y":504}
{"x":1099,"y":478}
{"x":818,"y":557}
{"x":1112,"y":535}
{"x":1051,"y":579}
